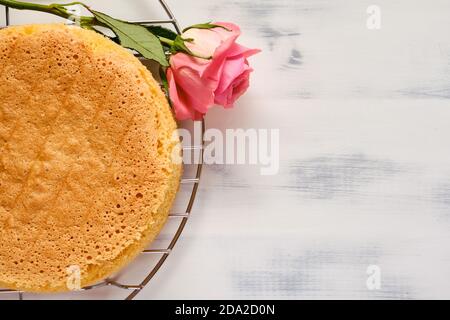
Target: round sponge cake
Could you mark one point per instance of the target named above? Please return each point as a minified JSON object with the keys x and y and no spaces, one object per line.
{"x":86,"y":144}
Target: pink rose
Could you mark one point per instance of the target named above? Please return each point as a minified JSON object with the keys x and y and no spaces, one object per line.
{"x":196,"y":84}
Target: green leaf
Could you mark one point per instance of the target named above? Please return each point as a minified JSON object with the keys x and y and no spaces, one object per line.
{"x":179,"y":46}
{"x":207,"y":25}
{"x":135,"y":37}
{"x":165,"y":82}
{"x":162,"y":32}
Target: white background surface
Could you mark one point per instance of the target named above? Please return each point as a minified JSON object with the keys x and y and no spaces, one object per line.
{"x":364,"y":180}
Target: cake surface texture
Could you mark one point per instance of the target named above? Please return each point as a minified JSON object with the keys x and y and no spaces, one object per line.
{"x":86,"y":143}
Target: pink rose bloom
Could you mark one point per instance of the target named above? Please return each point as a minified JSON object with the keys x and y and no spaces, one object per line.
{"x":196,"y":84}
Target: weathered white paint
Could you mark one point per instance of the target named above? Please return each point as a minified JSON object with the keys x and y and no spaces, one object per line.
{"x":365,"y":177}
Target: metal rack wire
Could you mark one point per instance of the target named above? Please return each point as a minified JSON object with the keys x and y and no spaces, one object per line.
{"x":184,"y":216}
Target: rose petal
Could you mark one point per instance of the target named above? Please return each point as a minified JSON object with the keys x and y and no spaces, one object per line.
{"x":241,"y":87}
{"x":181,"y":60}
{"x":230,"y":26}
{"x":232,"y":93}
{"x":182,"y":112}
{"x":201,"y":96}
{"x":232,"y":69}
{"x":214,"y":70}
{"x":205,"y":41}
{"x":239,"y":50}
{"x":182,"y":101}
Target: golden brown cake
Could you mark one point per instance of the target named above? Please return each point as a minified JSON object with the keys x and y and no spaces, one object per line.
{"x":86,"y":171}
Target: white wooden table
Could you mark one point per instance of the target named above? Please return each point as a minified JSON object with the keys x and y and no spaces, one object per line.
{"x":364,"y":118}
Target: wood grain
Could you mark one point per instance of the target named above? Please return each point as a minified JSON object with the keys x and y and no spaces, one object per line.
{"x":364,"y":120}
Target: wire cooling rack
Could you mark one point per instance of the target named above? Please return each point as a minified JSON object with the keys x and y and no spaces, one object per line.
{"x":183,"y":217}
